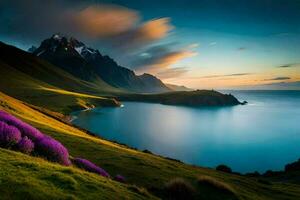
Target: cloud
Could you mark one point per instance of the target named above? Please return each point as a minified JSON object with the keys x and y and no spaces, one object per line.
{"x":144,"y":34}
{"x":32,"y":18}
{"x":102,"y":21}
{"x":224,"y":75}
{"x":289,"y":65}
{"x":107,"y":24}
{"x":173,"y":57}
{"x":280,"y":78}
{"x":294,"y":85}
{"x":192,"y":46}
{"x":285,"y":84}
{"x":172,"y":72}
{"x":242,"y":49}
{"x":154,"y":29}
{"x":118,"y":30}
{"x":161,"y":57}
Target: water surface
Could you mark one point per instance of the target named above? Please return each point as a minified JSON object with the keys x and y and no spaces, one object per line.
{"x":265,"y":134}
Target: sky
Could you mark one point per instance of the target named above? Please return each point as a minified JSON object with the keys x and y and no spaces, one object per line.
{"x":202,"y":44}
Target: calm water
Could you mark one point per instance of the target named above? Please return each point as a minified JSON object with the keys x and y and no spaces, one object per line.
{"x":265,"y":134}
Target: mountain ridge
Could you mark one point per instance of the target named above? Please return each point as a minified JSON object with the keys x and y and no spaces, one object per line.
{"x":88,"y":64}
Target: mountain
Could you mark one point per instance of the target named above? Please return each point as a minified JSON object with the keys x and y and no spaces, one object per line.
{"x":38,"y":82}
{"x":89,"y":64}
{"x":32,"y":49}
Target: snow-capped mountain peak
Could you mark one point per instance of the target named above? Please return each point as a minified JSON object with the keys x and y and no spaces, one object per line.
{"x":58,"y":42}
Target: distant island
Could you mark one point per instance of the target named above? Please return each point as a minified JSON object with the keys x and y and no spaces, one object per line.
{"x":195,"y":98}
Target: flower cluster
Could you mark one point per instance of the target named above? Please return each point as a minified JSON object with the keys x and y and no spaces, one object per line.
{"x":120,"y":178}
{"x":18,"y":135}
{"x":52,"y":150}
{"x":89,"y":166}
{"x":25,"y":145}
{"x":25,"y":129}
{"x":25,"y":138}
{"x":9,"y":135}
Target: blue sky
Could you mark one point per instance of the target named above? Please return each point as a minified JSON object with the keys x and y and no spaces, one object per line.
{"x":201,"y":44}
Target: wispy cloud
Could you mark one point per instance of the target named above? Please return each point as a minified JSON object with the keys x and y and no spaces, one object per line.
{"x":242,"y":49}
{"x":142,"y":35}
{"x":105,"y":23}
{"x":100,"y":21}
{"x":224,"y":75}
{"x":289,"y":65}
{"x":159,"y":58}
{"x":293,"y":85}
{"x":119,"y":31}
{"x":279,"y":78}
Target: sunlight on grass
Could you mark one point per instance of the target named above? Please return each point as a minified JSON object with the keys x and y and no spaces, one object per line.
{"x":21,"y":110}
{"x":52,"y":181}
{"x":65,"y":92}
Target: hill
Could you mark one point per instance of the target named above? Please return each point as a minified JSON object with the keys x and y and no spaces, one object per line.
{"x":37,"y":82}
{"x":39,"y":179}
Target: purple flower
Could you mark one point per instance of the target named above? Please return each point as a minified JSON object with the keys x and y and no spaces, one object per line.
{"x":89,"y":166}
{"x":26,"y":130}
{"x":25,"y":145}
{"x":120,"y":178}
{"x":52,"y":150}
{"x":9,"y":135}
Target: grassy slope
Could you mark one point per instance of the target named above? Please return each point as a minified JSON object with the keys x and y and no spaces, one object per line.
{"x":44,"y":71}
{"x":141,"y":169}
{"x":37,"y":92}
{"x":26,"y":77}
{"x":26,"y":177}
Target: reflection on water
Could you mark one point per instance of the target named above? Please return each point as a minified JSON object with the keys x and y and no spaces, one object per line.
{"x":264,"y":134}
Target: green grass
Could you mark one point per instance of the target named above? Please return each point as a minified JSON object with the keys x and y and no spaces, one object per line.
{"x":41,"y":94}
{"x":26,"y":177}
{"x":144,"y":170}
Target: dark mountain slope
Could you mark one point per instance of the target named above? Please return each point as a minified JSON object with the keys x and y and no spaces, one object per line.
{"x":88,"y":64}
{"x":27,"y":78}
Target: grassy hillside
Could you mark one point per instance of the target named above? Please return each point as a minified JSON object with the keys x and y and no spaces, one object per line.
{"x":39,"y":83}
{"x":44,"y":71}
{"x":26,"y":177}
{"x":141,"y":169}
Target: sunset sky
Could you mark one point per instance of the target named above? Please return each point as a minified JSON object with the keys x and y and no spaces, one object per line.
{"x":211,"y":44}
